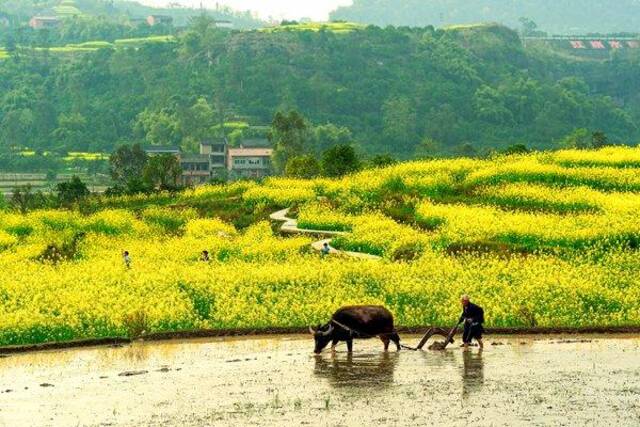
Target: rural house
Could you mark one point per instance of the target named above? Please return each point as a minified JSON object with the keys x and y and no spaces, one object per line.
{"x":249,"y":162}
{"x":44,"y":22}
{"x":217,"y":154}
{"x":196,"y":169}
{"x":159,"y":20}
{"x":223,"y":24}
{"x":217,"y":160}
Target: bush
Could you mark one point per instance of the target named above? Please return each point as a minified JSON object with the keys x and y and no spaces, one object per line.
{"x":339,"y":161}
{"x":302,"y":167}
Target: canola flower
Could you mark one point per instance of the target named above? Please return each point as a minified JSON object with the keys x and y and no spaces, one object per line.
{"x":621,"y":157}
{"x":584,"y":202}
{"x":471,"y":224}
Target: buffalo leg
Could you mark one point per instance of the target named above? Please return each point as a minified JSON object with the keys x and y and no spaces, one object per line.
{"x":396,"y":340}
{"x":385,"y":340}
{"x":350,"y":345}
{"x":334,"y":343}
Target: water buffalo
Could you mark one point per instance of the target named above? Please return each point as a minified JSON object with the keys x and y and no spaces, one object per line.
{"x":356,"y":322}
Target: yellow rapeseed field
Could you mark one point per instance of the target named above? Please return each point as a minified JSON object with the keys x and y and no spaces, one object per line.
{"x":547,"y":239}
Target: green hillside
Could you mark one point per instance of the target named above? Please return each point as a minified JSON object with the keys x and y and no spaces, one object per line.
{"x":407,"y":92}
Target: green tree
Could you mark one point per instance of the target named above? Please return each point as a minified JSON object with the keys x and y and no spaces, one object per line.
{"x":528,"y":26}
{"x":72,"y":191}
{"x":427,"y":148}
{"x":466,"y":150}
{"x":339,"y":161}
{"x":71,"y":132}
{"x":15,"y":126}
{"x":163,"y":172}
{"x":599,"y":139}
{"x":516,"y":149}
{"x":289,"y":136}
{"x":126,"y":165}
{"x":579,"y":139}
{"x":328,"y":135}
{"x":399,"y":120}
{"x":23,"y":199}
{"x":305,"y":166}
{"x":382,"y":161}
{"x":159,"y":127}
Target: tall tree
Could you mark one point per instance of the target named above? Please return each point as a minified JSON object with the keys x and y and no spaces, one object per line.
{"x":163,"y":172}
{"x":127,"y":164}
{"x":289,"y":137}
{"x":71,"y":191}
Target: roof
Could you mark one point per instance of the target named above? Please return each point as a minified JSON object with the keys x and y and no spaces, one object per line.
{"x":220,"y":141}
{"x":191,"y":158}
{"x":161,"y":16}
{"x":162,"y":149}
{"x":256,"y":143}
{"x":46,"y":18}
{"x":250,"y":152}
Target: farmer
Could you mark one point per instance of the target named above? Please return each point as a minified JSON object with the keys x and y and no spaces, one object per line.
{"x":326,"y":249}
{"x":205,"y":256}
{"x":127,"y":259}
{"x":473,"y":318}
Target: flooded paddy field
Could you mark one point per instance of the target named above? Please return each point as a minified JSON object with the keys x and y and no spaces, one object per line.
{"x":273,"y":381}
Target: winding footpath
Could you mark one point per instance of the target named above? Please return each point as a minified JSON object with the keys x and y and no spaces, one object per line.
{"x":290,"y":226}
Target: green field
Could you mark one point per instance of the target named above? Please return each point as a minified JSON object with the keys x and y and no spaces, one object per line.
{"x":92,"y":46}
{"x":335,"y":27}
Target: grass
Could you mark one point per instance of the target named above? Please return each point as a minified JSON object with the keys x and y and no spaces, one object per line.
{"x":143,"y":40}
{"x":67,"y":10}
{"x":94,"y":45}
{"x":335,"y":27}
{"x":468,"y":26}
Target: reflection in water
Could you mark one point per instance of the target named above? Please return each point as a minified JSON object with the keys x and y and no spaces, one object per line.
{"x":362,"y":370}
{"x":472,"y":373}
{"x":36,"y":360}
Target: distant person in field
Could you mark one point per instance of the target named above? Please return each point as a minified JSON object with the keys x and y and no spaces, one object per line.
{"x":205,"y":256}
{"x":473,"y":318}
{"x":127,"y":259}
{"x":326,"y":249}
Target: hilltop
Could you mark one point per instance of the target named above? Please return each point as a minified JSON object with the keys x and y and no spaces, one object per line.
{"x":554,"y":17}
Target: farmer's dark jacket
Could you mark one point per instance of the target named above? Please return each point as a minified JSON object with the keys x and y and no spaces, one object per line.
{"x":474,"y":312}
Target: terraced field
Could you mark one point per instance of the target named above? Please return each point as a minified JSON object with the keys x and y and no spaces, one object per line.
{"x":335,"y":27}
{"x":541,"y":240}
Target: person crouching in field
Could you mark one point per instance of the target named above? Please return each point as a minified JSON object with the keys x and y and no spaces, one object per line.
{"x":127,"y":259}
{"x":473,"y":318}
{"x":204,"y":257}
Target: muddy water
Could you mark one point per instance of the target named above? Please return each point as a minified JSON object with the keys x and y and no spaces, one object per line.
{"x":594,"y":380}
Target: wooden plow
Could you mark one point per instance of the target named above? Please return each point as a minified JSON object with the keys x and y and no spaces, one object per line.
{"x":448,"y":336}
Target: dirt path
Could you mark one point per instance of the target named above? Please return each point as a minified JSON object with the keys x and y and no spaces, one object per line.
{"x":274,"y":381}
{"x":290,"y":226}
